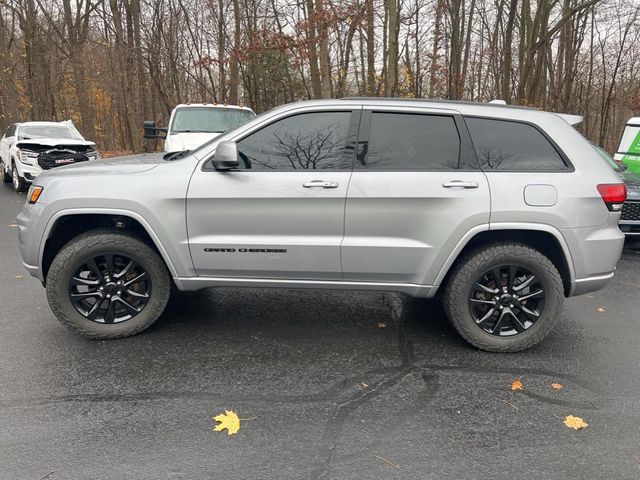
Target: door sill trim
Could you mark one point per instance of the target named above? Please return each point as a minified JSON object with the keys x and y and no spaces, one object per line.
{"x":197,"y":283}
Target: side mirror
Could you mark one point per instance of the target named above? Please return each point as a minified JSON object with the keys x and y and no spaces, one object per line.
{"x":151,"y":131}
{"x":226,"y":157}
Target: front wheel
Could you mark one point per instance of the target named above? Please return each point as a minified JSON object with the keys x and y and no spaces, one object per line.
{"x":4,"y":173}
{"x":19,"y":183}
{"x":504,"y":297}
{"x":105,"y":284}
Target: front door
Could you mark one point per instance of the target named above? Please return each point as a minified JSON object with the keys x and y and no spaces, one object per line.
{"x":281,"y":214}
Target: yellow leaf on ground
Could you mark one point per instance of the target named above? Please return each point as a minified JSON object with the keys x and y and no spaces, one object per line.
{"x":382,"y":325}
{"x":557,"y":386}
{"x":228,"y":420}
{"x":517,"y":385}
{"x":575,"y":422}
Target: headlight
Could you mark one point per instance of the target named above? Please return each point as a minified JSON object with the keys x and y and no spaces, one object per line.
{"x":28,"y":158}
{"x":93,"y":155}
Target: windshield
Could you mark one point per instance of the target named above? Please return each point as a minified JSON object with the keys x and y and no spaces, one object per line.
{"x":27,"y":132}
{"x":612,"y":163}
{"x":208,"y":119}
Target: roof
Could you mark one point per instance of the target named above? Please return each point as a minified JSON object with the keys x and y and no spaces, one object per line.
{"x":436,"y":101}
{"x":213,"y":105}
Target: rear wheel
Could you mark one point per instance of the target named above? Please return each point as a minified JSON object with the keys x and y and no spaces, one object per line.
{"x":19,"y":183}
{"x":504,"y":297}
{"x":105,"y":284}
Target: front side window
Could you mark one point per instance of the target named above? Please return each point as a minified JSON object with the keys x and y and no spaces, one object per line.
{"x":308,"y":141}
{"x":10,"y":131}
{"x":509,"y":145}
{"x":407,"y":141}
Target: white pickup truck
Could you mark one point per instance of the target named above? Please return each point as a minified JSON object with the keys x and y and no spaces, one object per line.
{"x":194,"y":124}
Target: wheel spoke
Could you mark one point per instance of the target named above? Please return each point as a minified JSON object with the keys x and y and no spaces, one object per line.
{"x":110,"y":265}
{"x":530,"y":313}
{"x":109,"y":317}
{"x":525,"y":284}
{"x":93,"y":311}
{"x":485,"y":302}
{"x":512,"y":276}
{"x":84,"y":281}
{"x":128,"y":267}
{"x":533,"y":295}
{"x":139,"y":278}
{"x":498,"y":325}
{"x":77,"y":297}
{"x":517,"y":324}
{"x":497,"y":277}
{"x":483,"y":288}
{"x":93,"y":266}
{"x":133,"y":293}
{"x":130,"y":308}
{"x":487,"y":316}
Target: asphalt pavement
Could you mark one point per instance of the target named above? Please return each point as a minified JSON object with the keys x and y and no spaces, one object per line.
{"x":328,"y":385}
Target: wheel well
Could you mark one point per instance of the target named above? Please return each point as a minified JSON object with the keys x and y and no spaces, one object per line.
{"x":70,"y":226}
{"x":542,"y":241}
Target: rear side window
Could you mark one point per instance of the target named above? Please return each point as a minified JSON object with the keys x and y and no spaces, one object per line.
{"x":507,"y":145}
{"x":402,"y":141}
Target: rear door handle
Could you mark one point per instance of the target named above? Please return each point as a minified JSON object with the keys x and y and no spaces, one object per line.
{"x":460,"y":184}
{"x":320,"y":184}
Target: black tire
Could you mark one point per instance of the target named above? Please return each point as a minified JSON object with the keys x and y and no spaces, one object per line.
{"x":19,"y":184}
{"x":473,"y":267}
{"x":106,"y":242}
{"x":6,"y":176}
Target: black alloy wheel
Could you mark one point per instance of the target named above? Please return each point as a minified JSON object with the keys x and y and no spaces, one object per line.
{"x":110,"y":288}
{"x":507,"y":300}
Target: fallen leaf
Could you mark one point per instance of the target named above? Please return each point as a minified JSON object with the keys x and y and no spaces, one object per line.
{"x":557,"y":386}
{"x":517,"y":385}
{"x":575,"y":422}
{"x":601,"y":309}
{"x":228,"y":420}
{"x":364,"y":385}
{"x":18,"y":276}
{"x":382,"y":325}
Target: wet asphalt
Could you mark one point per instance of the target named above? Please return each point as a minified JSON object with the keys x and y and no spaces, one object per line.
{"x":330,"y":385}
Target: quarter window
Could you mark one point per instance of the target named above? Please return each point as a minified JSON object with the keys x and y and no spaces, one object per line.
{"x":402,"y":141}
{"x":308,"y":141}
{"x":508,"y":145}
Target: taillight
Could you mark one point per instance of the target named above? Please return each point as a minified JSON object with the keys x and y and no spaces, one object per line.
{"x":613,"y":194}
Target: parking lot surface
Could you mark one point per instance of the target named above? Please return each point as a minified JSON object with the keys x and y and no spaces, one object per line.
{"x":329,"y":385}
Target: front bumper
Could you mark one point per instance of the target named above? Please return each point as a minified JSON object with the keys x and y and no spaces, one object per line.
{"x":28,"y":172}
{"x":30,"y":233}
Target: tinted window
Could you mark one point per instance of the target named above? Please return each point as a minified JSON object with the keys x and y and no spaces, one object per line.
{"x":400,"y":141}
{"x":10,"y":131}
{"x":309,"y":141}
{"x":505,"y":145}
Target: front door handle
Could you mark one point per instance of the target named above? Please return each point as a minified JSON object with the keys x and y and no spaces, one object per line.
{"x":460,"y":184}
{"x":320,"y":184}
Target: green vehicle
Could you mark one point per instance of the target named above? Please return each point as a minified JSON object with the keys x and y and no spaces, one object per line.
{"x":629,"y":148}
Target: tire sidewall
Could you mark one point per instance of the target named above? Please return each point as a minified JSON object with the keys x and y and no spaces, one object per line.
{"x":74,"y":254}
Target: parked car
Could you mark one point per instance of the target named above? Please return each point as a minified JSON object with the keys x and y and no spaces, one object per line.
{"x":503,"y":210}
{"x":630,"y":216}
{"x":193,"y":124}
{"x":26,"y":149}
{"x":628,"y":152}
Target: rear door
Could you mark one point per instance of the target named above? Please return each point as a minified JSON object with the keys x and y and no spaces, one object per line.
{"x":415,"y":191}
{"x":281,"y":214}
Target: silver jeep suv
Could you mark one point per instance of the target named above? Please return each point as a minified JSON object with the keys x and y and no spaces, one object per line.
{"x":502,"y":211}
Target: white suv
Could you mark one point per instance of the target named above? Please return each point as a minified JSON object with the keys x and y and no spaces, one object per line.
{"x":26,"y":149}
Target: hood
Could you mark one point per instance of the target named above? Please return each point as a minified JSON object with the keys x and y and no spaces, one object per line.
{"x":115,"y":165}
{"x":54,"y":142}
{"x":177,"y":142}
